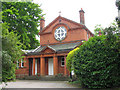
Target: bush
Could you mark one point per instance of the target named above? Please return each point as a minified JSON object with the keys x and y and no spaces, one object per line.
{"x":10,"y":53}
{"x":96,"y":64}
{"x":70,"y":59}
{"x":8,"y":67}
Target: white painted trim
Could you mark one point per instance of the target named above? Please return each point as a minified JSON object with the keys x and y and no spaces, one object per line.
{"x":36,"y":48}
{"x":73,"y":72}
{"x":51,"y":48}
{"x":22,"y":61}
{"x":61,"y":61}
{"x":50,"y":66}
{"x":35,"y":66}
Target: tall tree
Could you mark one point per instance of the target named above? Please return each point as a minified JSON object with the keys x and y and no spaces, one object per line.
{"x":10,"y":53}
{"x":23,"y":18}
{"x":97,"y":29}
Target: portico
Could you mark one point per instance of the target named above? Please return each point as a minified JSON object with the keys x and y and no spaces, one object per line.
{"x":47,"y":64}
{"x":49,"y":60}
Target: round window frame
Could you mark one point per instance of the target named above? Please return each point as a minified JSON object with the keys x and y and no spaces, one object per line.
{"x":61,"y":29}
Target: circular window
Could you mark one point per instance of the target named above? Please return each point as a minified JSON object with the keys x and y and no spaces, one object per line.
{"x":60,"y":33}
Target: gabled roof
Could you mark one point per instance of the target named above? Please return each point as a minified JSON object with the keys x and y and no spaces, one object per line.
{"x":63,"y":18}
{"x":56,"y":48}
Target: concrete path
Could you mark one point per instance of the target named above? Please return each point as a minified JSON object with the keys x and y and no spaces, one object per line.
{"x":39,"y":84}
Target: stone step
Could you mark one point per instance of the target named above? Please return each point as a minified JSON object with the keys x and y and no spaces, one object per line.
{"x":46,"y":78}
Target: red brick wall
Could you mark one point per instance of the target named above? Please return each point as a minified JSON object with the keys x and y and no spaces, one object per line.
{"x":46,"y":66}
{"x":23,"y":71}
{"x":72,"y":35}
{"x":74,"y":32}
{"x":61,"y":68}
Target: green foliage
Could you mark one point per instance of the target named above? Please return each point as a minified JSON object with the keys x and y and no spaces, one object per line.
{"x":8,"y":67}
{"x":96,"y":62}
{"x":70,"y":58}
{"x":97,"y":29}
{"x":10,"y":53}
{"x":23,"y":18}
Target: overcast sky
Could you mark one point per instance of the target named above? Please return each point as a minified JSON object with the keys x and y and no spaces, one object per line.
{"x":96,"y":11}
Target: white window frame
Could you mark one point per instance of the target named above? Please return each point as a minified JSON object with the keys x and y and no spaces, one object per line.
{"x":62,"y":58}
{"x":18,"y":64}
{"x":22,"y":62}
{"x":60,"y":33}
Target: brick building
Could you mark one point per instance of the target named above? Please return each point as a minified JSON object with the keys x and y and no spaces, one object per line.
{"x":56,"y":40}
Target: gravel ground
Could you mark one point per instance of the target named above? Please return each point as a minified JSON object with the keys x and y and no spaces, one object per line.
{"x":38,"y":84}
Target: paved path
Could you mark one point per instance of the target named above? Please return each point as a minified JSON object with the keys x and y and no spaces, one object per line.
{"x":39,"y":84}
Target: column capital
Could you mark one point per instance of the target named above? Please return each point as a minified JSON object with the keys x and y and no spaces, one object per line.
{"x":33,"y":57}
{"x":41,"y":56}
{"x":54,"y":55}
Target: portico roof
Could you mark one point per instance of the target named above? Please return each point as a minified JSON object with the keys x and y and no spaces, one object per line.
{"x":56,"y":48}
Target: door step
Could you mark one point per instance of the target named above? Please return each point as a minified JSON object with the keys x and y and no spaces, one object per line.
{"x":46,"y":78}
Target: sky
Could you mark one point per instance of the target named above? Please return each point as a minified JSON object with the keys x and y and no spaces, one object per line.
{"x":101,"y":12}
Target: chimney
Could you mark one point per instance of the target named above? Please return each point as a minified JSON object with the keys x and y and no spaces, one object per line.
{"x":100,"y":33}
{"x":42,"y":23}
{"x":82,"y":20}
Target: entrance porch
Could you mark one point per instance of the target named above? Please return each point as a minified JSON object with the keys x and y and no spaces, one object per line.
{"x":51,"y":65}
{"x":46,"y":60}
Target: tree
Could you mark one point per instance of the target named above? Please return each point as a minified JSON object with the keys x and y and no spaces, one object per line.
{"x":70,"y":59}
{"x":10,"y":53}
{"x":113,"y":35}
{"x":23,"y":18}
{"x":97,"y":29}
{"x":96,"y":62}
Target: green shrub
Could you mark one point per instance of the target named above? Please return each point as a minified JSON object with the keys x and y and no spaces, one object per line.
{"x":10,"y":53}
{"x":70,"y":59}
{"x":96,"y":64}
{"x":59,"y":75}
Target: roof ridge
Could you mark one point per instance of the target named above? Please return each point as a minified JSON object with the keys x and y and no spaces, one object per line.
{"x":51,"y":48}
{"x":62,"y":18}
{"x":36,"y":48}
{"x":49,"y":24}
{"x":69,"y":20}
{"x":73,"y":21}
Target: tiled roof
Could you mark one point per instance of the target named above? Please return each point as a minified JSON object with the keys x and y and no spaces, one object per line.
{"x":63,"y":47}
{"x":56,"y":48}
